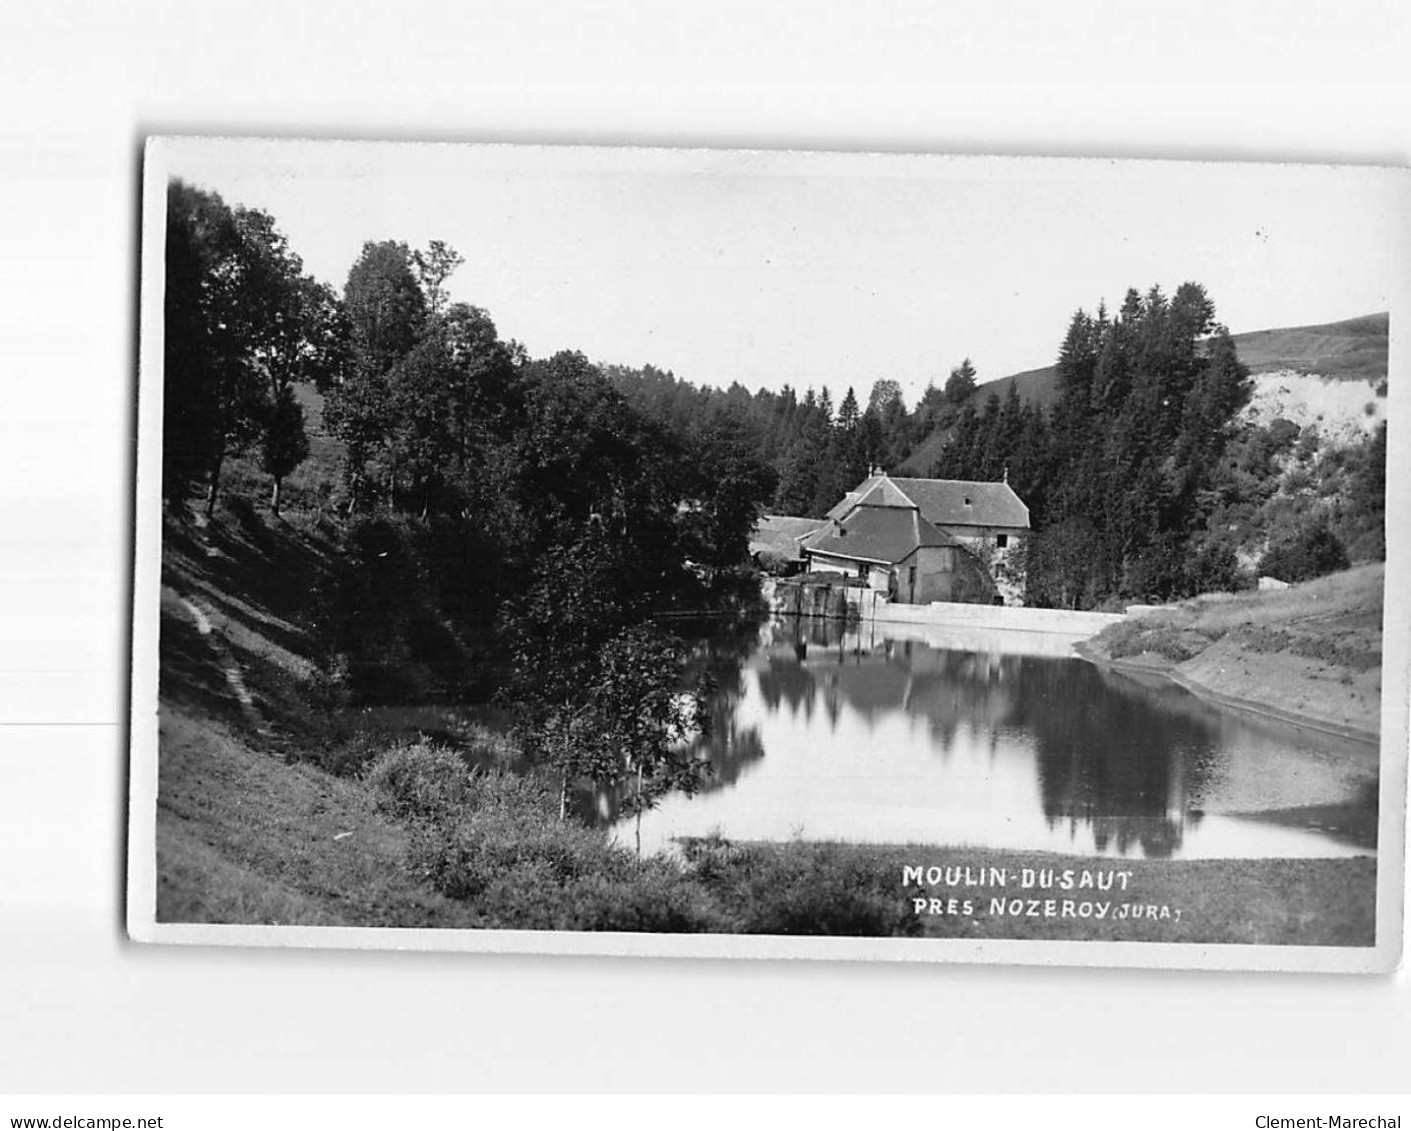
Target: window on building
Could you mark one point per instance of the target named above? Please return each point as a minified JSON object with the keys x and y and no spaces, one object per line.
{"x":1001,"y":540}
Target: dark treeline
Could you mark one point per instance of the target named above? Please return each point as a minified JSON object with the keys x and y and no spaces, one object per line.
{"x":1123,"y":475}
{"x":816,"y":451}
{"x":1143,"y":481}
{"x":1120,"y":477}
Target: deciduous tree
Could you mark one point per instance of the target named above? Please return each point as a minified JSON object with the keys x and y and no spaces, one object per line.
{"x":285,"y":441}
{"x":640,"y":721}
{"x":239,"y":329}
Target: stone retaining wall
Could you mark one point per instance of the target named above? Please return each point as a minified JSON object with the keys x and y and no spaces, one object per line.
{"x":995,"y":616}
{"x":867,"y":604}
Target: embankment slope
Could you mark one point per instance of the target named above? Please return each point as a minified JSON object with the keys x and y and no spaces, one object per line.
{"x":1309,"y":654}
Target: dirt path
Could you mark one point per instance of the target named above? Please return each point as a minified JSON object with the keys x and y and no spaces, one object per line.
{"x":229,"y":666}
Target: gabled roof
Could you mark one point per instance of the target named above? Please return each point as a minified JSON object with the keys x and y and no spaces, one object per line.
{"x":943,"y":502}
{"x":885,"y":535}
{"x":955,"y":502}
{"x":879,"y":491}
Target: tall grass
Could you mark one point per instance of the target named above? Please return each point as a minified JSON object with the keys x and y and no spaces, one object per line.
{"x":495,"y":842}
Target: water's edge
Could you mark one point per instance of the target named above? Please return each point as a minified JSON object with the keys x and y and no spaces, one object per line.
{"x":1229,"y":702}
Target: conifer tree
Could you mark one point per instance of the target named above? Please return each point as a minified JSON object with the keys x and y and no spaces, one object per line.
{"x":848,"y":414}
{"x":961,"y":383}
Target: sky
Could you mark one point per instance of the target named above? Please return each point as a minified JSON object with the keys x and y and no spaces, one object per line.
{"x":816,"y":269}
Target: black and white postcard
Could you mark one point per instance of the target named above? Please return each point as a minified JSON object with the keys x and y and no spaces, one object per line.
{"x":771,"y":554}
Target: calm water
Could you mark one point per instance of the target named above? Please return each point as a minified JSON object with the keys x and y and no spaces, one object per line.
{"x":905,"y":734}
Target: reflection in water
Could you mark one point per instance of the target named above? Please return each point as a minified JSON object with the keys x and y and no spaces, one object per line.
{"x":930,"y":736}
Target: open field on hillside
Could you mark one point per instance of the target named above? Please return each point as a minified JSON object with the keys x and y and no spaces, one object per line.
{"x":1352,"y":350}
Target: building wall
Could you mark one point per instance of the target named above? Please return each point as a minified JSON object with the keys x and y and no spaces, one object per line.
{"x":935,"y":569}
{"x":986,"y":535}
{"x":947,"y":573}
{"x":848,"y":566}
{"x":941,"y":573}
{"x":1005,"y":564}
{"x":931,"y":573}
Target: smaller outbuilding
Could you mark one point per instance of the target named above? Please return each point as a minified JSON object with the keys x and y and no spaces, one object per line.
{"x":777,"y":541}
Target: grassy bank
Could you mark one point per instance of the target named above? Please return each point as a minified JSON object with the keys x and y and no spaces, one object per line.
{"x":1310,"y":653}
{"x":419,"y":840}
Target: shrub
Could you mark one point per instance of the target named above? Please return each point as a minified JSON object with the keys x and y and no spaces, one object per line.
{"x":510,"y":822}
{"x":1167,"y":640}
{"x":507,"y":854}
{"x":800,"y":889}
{"x":1159,"y":571}
{"x":419,"y":781}
{"x":1216,"y":569}
{"x":1369,"y":545}
{"x":713,"y":859}
{"x":488,"y":748}
{"x":1311,"y":552}
{"x":654,"y":896}
{"x":821,"y":889}
{"x":345,"y":753}
{"x":1282,"y":434}
{"x":775,"y":564}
